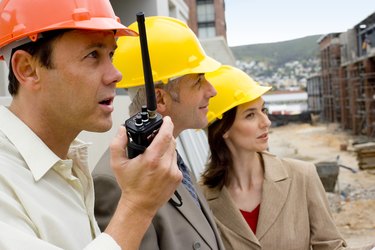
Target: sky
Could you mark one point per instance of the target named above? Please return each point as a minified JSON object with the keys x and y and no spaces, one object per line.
{"x":267,"y":21}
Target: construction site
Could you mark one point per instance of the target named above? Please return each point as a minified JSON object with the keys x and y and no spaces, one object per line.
{"x":344,"y":92}
{"x":342,"y":100}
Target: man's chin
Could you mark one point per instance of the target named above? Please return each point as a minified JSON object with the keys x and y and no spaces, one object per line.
{"x":101,"y":128}
{"x":202,"y":124}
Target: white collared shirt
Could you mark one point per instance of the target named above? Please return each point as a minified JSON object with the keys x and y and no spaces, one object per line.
{"x":45,"y":202}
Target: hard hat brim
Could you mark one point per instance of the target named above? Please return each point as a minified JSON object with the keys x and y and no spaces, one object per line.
{"x":207,"y":65}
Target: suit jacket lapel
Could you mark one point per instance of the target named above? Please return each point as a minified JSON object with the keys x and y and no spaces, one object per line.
{"x":274,"y":195}
{"x":209,"y":216}
{"x":195,"y":217}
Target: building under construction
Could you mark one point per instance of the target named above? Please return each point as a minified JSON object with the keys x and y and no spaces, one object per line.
{"x":345,"y":91}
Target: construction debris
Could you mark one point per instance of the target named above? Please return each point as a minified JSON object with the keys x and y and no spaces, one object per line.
{"x":365,"y":155}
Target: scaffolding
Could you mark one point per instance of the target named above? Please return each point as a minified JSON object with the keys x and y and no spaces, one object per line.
{"x":359,"y":99}
{"x":348,"y":78}
{"x":330,"y":64}
{"x":349,"y":93}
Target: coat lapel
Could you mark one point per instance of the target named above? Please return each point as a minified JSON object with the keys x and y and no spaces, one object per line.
{"x":227,"y":214}
{"x":274,"y":195}
{"x":195,"y":217}
{"x":209,"y":216}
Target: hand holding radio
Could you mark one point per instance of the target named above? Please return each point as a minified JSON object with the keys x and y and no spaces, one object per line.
{"x":143,"y":126}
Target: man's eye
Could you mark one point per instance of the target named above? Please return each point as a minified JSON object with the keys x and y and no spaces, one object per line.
{"x":93,"y":54}
{"x":111,"y":54}
{"x":198,"y":82}
{"x":265,"y":111}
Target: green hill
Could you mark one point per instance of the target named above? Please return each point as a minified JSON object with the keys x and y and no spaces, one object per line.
{"x":280,"y":52}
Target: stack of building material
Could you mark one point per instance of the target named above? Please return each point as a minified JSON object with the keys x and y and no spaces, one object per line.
{"x":365,"y":155}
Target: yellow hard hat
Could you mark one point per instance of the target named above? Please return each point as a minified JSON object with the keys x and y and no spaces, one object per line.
{"x":173,"y":48}
{"x":234,"y":87}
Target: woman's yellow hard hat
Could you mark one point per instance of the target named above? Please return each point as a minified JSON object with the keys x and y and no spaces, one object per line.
{"x":234,"y":87}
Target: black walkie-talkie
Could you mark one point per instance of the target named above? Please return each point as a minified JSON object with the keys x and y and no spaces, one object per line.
{"x":143,"y":126}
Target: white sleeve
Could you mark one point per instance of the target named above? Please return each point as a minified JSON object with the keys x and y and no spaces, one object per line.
{"x":103,"y":241}
{"x":14,"y":239}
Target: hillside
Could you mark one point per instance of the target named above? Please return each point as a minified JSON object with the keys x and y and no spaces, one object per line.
{"x":283,"y":65}
{"x":279,"y":53}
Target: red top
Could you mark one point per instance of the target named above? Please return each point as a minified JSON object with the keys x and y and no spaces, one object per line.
{"x":251,"y":218}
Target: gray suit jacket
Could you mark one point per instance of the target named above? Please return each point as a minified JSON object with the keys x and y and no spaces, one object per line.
{"x":294,"y":212}
{"x":185,"y":227}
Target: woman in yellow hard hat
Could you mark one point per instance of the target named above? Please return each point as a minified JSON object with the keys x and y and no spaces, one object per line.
{"x":259,"y":201}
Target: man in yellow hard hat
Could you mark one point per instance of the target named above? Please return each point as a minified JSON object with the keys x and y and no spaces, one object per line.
{"x":62,"y":81}
{"x":182,"y":92}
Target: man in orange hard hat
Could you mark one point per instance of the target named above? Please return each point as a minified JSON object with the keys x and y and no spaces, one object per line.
{"x":62,"y":81}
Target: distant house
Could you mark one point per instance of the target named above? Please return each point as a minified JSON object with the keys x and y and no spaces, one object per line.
{"x":286,"y":102}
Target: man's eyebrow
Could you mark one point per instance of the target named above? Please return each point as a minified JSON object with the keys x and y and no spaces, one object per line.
{"x":99,"y":45}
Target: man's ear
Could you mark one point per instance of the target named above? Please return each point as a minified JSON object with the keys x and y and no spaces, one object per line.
{"x":161,"y":100}
{"x":25,"y":69}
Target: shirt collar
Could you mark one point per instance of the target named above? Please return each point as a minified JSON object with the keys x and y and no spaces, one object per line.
{"x":36,"y":154}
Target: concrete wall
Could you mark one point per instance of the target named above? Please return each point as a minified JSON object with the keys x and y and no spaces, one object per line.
{"x":128,"y":9}
{"x":3,"y":79}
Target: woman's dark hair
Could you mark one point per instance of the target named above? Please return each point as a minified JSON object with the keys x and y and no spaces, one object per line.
{"x":41,"y":50}
{"x":220,"y":161}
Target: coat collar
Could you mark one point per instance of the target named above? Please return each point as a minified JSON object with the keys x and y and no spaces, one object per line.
{"x":228,"y":214}
{"x":275,"y":191}
{"x":276,"y":187}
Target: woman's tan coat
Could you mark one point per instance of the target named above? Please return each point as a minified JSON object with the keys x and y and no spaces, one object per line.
{"x":294,"y":212}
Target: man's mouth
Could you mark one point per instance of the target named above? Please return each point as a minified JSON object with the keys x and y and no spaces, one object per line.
{"x":204,"y":107}
{"x":107,"y":101}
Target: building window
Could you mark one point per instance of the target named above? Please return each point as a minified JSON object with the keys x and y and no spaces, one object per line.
{"x":206,"y":30}
{"x":205,"y":12}
{"x":205,"y":1}
{"x":206,"y":18}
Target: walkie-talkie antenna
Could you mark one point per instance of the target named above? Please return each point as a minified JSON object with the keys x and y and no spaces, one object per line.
{"x":147,"y":73}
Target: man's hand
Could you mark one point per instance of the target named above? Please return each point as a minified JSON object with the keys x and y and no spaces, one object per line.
{"x":147,"y":182}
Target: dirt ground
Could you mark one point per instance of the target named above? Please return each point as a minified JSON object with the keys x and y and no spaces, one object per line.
{"x":353,"y":201}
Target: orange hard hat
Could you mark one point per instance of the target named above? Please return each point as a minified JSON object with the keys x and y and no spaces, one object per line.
{"x":21,"y":19}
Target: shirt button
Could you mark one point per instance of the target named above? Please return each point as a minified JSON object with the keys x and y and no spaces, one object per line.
{"x":197,"y":245}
